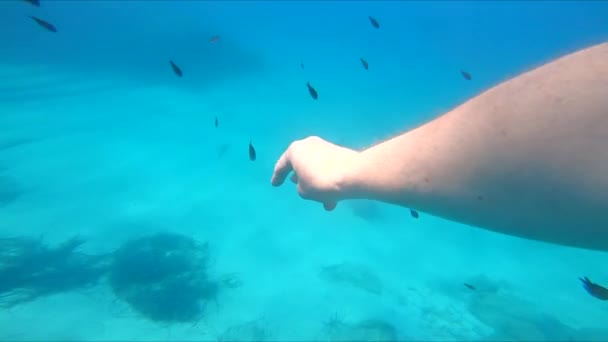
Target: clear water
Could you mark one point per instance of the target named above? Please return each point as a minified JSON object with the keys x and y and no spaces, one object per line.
{"x":101,"y":140}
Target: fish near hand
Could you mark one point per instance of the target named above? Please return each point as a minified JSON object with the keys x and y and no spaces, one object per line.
{"x":176,"y":69}
{"x":252,"y":153}
{"x":48,"y":26}
{"x":374,"y":22}
{"x":595,"y":290}
{"x":34,"y":2}
{"x":313,"y":93}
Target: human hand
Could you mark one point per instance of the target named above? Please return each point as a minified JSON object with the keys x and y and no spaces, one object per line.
{"x":320,"y":168}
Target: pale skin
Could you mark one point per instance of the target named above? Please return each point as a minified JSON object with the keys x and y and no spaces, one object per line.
{"x":528,"y":158}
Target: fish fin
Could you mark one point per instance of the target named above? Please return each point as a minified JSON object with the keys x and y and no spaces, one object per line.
{"x":587,"y":285}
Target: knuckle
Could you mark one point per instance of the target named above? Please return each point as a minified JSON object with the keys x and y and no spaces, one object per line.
{"x":294,"y":145}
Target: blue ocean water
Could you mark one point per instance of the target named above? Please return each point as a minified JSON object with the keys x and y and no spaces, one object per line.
{"x":101,"y":140}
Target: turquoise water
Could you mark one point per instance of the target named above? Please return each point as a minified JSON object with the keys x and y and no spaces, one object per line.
{"x":102,"y":141}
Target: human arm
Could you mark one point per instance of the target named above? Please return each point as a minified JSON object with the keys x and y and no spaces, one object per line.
{"x":528,"y":158}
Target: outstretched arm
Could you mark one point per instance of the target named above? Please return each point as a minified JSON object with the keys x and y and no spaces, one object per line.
{"x":528,"y":157}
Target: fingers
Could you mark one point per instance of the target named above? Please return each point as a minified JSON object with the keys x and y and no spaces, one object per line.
{"x":294,"y":178}
{"x":330,"y":206}
{"x":281,"y":169}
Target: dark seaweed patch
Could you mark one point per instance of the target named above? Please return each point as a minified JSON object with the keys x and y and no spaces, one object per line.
{"x":29,"y":269}
{"x":164,"y":277}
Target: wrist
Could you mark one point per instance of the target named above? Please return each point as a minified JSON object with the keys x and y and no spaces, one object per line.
{"x":353,"y":183}
{"x":383,"y":172}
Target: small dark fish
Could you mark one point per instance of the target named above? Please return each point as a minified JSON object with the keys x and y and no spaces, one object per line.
{"x":217,"y":123}
{"x":595,"y":290}
{"x":364,"y":63}
{"x":414,"y":213}
{"x":176,"y":69}
{"x":466,"y":75}
{"x":302,"y":65}
{"x":44,"y":24}
{"x":374,"y":22}
{"x":34,"y":2}
{"x":214,"y":39}
{"x":252,"y":154}
{"x":470,"y":287}
{"x":312,"y":91}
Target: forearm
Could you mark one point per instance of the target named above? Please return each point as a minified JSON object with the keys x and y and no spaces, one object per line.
{"x":544,"y":123}
{"x":410,"y":169}
{"x":386,"y":171}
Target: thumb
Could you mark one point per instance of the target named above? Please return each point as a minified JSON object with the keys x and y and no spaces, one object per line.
{"x":329,"y":206}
